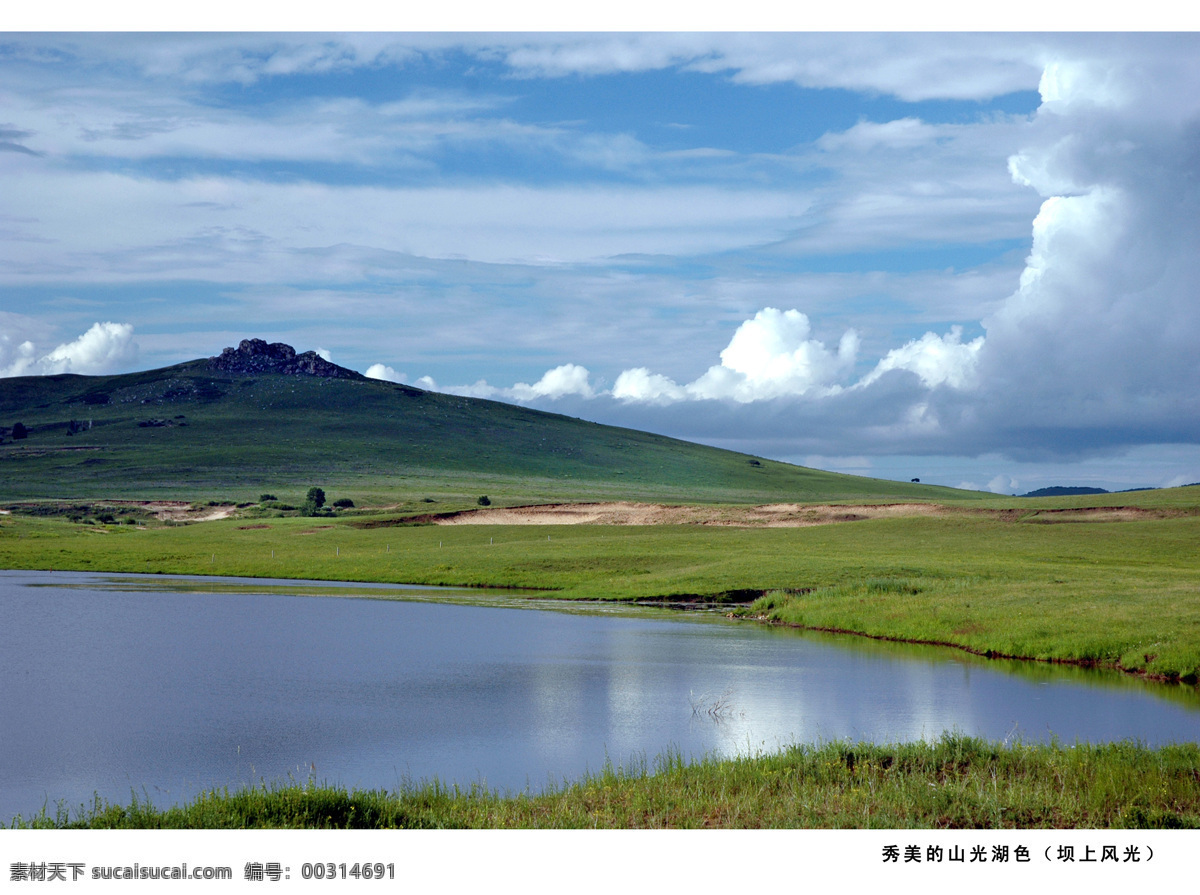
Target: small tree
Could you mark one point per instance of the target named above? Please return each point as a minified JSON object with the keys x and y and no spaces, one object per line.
{"x":484,"y":501}
{"x":313,"y":501}
{"x":19,"y":431}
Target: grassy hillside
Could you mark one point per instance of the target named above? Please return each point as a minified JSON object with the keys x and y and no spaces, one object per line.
{"x":191,"y":432}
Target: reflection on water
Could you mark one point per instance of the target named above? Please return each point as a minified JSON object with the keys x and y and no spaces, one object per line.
{"x":163,"y":687}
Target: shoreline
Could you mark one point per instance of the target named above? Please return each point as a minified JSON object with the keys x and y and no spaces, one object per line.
{"x":954,"y":782}
{"x":681,"y":603}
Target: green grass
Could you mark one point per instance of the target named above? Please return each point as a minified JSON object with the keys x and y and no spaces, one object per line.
{"x":957,"y":782}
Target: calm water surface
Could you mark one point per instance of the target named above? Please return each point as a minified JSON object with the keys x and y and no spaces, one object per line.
{"x":167,"y":687}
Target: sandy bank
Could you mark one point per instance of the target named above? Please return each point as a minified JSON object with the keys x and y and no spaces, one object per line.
{"x":781,"y":515}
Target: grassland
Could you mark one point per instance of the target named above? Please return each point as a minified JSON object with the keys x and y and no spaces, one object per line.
{"x":958,"y":782}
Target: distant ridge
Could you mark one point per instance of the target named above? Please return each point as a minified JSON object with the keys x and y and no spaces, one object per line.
{"x":254,"y":356}
{"x":1062,"y":491}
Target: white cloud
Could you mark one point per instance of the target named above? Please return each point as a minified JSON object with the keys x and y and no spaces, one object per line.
{"x":772,"y":355}
{"x":1100,"y":335}
{"x":17,"y":359}
{"x":769,"y":356}
{"x":568,"y":379}
{"x":382,"y":371}
{"x":937,"y":360}
{"x":640,"y":385}
{"x":900,"y":133}
{"x":1003,"y":484}
{"x":560,"y":382}
{"x":105,"y":348}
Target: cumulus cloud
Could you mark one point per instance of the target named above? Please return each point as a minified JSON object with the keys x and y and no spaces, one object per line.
{"x":774,"y":355}
{"x":640,"y":385}
{"x":935,"y":359}
{"x":567,"y":380}
{"x":1100,"y":334}
{"x":769,"y":356}
{"x":17,"y":359}
{"x":1003,"y":484}
{"x":105,"y":348}
{"x":383,"y":371}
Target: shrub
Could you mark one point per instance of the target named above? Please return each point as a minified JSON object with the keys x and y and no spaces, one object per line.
{"x":484,"y":501}
{"x":19,"y":431}
{"x":343,"y":503}
{"x":263,"y":498}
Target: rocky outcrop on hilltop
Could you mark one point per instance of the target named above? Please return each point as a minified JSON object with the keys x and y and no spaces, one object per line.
{"x":254,"y":356}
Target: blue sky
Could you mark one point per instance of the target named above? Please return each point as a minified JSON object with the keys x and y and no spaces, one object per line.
{"x":969,"y":258}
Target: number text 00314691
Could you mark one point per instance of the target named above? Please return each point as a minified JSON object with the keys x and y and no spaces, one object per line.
{"x":363,"y":870}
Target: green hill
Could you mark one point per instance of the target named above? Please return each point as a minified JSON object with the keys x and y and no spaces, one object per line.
{"x":248,"y":422}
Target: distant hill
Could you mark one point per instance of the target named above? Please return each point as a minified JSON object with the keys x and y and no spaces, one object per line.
{"x":262,"y":417}
{"x":1060,"y":491}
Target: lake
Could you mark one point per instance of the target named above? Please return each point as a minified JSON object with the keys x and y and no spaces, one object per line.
{"x":169,"y":686}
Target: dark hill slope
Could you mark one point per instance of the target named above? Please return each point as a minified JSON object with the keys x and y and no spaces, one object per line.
{"x":1064,"y":491}
{"x":217,"y":429}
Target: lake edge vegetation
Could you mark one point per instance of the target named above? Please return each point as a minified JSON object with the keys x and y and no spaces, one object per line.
{"x":956,"y":782}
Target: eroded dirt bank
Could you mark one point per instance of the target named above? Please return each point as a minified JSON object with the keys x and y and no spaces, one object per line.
{"x":777,"y":515}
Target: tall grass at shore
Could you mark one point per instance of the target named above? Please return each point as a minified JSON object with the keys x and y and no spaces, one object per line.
{"x":956,"y":782}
